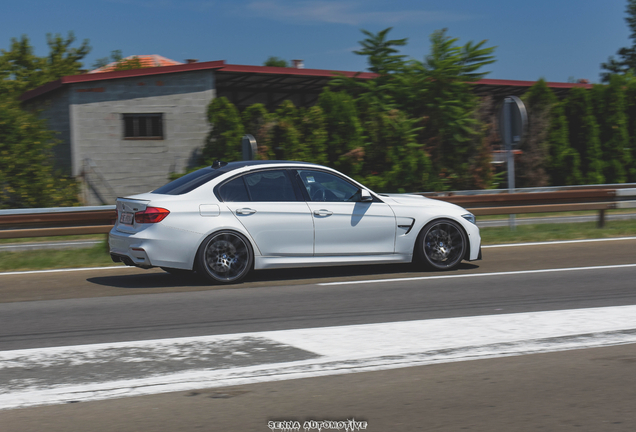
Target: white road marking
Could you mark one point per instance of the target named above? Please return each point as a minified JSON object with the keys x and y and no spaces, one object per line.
{"x":556,"y":242}
{"x":331,"y":351}
{"x":26,"y":272}
{"x":471,"y":275}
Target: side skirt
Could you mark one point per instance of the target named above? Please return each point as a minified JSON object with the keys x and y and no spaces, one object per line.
{"x":267,"y":262}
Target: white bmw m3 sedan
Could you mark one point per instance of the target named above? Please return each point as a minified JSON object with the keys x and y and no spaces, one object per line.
{"x":225,"y":220}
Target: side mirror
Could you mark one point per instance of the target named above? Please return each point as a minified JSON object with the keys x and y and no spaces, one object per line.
{"x":365,"y":196}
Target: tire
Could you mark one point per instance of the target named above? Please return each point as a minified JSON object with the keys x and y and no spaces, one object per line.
{"x":225,"y":257}
{"x":441,"y":245}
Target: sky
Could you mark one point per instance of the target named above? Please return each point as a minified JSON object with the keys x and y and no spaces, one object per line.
{"x":558,"y":40}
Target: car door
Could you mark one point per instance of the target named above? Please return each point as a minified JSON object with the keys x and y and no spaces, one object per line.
{"x":344,"y":225}
{"x":272,"y":210}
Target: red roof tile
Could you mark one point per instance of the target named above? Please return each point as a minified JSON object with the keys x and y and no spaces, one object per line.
{"x":146,"y":61}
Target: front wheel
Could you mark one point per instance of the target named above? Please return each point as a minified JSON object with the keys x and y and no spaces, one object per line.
{"x":442,"y":245}
{"x":225,"y":257}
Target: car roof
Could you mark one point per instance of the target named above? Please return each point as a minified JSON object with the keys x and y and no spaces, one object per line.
{"x":231,"y":166}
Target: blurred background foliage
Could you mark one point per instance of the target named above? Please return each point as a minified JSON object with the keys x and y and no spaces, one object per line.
{"x":418,"y":125}
{"x":27,"y":174}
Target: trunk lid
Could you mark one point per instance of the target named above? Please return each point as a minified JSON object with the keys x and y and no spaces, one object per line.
{"x":126,"y":209}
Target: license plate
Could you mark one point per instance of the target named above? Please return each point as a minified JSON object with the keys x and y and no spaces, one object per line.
{"x":127,"y":218}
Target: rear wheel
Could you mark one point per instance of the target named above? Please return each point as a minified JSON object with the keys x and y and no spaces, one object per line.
{"x":225,"y":257}
{"x":442,"y":244}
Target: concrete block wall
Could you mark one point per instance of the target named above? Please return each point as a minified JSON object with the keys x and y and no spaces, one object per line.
{"x":54,"y":108}
{"x":114,"y":166}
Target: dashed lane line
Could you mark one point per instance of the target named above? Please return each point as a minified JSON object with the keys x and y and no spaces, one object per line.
{"x":472,"y":275}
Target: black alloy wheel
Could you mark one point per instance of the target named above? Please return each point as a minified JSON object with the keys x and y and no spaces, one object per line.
{"x":442,"y":244}
{"x":225,"y":257}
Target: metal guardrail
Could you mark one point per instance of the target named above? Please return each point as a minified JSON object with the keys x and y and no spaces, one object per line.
{"x":52,"y":222}
{"x":571,"y":199}
{"x":530,"y":190}
{"x":100,"y":219}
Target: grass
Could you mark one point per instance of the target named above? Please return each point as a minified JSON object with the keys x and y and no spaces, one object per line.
{"x":572,"y":213}
{"x":548,"y":232}
{"x":53,"y":239}
{"x":98,"y":256}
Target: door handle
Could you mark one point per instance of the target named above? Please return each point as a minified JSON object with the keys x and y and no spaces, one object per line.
{"x":323,"y":212}
{"x":245,"y":211}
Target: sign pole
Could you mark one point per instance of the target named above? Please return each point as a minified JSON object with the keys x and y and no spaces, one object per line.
{"x":248,"y":145}
{"x":512,"y":123}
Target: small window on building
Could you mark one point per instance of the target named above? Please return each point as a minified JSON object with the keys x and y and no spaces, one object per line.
{"x":143,"y":126}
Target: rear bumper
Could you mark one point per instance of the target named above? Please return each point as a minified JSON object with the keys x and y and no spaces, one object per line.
{"x":117,"y":258}
{"x":156,"y":246}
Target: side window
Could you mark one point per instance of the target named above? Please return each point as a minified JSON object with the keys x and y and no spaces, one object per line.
{"x":273,"y":185}
{"x":234,"y":191}
{"x":323,"y":186}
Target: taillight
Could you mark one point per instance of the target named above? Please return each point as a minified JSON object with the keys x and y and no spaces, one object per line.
{"x":151,"y":215}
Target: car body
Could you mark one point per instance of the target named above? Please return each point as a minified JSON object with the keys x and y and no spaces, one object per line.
{"x":230,"y":218}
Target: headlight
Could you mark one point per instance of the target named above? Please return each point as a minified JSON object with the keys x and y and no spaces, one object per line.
{"x":470,"y":218}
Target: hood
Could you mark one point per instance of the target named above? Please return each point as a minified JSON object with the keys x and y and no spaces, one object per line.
{"x":417,"y":200}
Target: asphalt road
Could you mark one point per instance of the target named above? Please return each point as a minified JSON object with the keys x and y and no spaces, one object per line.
{"x":130,"y":304}
{"x":578,"y":390}
{"x":584,"y":391}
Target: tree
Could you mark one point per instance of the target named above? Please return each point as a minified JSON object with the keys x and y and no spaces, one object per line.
{"x":560,"y":161}
{"x":381,"y":55}
{"x":564,"y":168}
{"x":313,"y":132}
{"x":630,"y":111}
{"x":481,"y":168}
{"x":224,"y":140}
{"x":444,"y":100}
{"x":344,"y":131}
{"x":584,"y":134}
{"x":121,"y":64}
{"x":436,"y":93}
{"x":276,"y":62}
{"x":535,"y":158}
{"x":285,"y":140}
{"x":384,"y":60}
{"x":21,"y":70}
{"x":27,"y":178}
{"x":394,"y":160}
{"x":258,"y":123}
{"x":626,"y":56}
{"x":115,"y":56}
{"x":610,"y":105}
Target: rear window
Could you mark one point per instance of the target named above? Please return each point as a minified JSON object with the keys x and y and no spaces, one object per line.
{"x":189,"y":182}
{"x":234,"y":191}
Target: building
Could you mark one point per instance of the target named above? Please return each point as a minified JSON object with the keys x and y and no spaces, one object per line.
{"x":125,"y":132}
